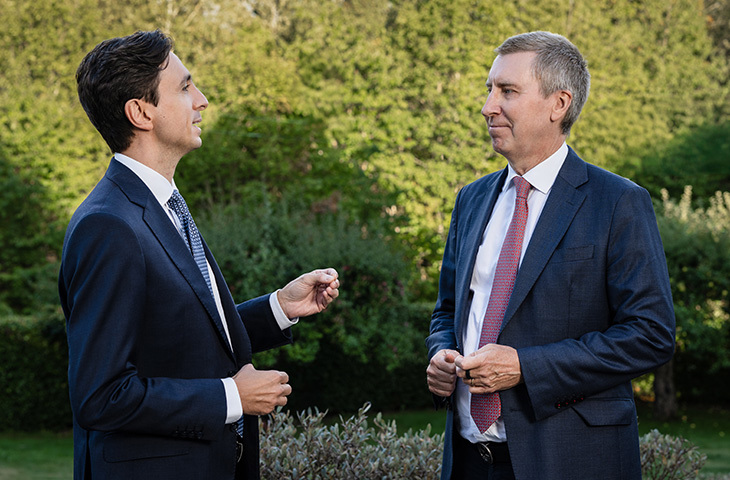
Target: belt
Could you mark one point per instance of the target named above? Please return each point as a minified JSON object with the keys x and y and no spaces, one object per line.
{"x":493,"y":452}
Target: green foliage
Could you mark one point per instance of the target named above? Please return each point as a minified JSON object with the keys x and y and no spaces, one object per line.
{"x":375,"y":328}
{"x":388,"y":91}
{"x":366,"y":108}
{"x":30,"y":239}
{"x":33,"y":366}
{"x":698,"y":157}
{"x":261,"y":249}
{"x":349,"y":449}
{"x":697,"y":245}
{"x":718,"y":24}
{"x":664,"y":457}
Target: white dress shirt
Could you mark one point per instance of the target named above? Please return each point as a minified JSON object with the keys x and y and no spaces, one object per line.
{"x":541,"y":177}
{"x":162,"y":190}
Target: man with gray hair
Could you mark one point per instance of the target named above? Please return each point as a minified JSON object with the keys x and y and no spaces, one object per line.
{"x":554,"y":291}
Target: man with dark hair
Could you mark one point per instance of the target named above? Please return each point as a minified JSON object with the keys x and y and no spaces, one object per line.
{"x":160,"y":375}
{"x":554,"y":291}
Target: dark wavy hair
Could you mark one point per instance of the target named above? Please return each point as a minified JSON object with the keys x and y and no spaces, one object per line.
{"x":118,"y":70}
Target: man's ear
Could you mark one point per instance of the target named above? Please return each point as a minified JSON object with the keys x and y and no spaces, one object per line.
{"x":138,"y":113}
{"x":563,"y":99}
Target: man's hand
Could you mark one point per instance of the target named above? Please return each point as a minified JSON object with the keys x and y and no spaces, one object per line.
{"x":310,"y":293}
{"x":490,"y":369}
{"x":261,"y":391}
{"x":441,"y":373}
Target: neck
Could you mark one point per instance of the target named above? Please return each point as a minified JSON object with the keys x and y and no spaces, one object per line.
{"x":161,"y":162}
{"x":524,"y":164}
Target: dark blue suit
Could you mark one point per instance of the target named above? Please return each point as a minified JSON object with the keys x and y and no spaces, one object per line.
{"x":147,"y":347}
{"x":591,"y":309}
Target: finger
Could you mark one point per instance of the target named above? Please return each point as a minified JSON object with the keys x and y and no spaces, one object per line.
{"x":286,"y":389}
{"x":325,"y":276}
{"x":468,"y":363}
{"x":440,"y":388}
{"x":459,"y":361}
{"x":283,"y":377}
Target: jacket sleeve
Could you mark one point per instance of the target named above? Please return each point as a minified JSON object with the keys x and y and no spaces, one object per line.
{"x":442,"y":333}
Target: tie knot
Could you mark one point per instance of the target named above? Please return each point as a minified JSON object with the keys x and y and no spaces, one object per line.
{"x":177,"y":203}
{"x":522,"y":186}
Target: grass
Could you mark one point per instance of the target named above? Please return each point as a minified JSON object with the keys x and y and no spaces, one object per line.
{"x":36,"y":456}
{"x":43,"y":456}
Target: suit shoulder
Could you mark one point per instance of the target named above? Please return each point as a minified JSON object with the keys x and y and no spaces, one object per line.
{"x":610,"y":178}
{"x":105,"y":197}
{"x":611,"y":187}
{"x":105,"y":210}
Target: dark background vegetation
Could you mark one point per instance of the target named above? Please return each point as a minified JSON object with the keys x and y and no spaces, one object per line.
{"x":338,"y":134}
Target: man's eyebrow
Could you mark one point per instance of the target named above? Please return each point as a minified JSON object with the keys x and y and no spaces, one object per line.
{"x":501,"y":84}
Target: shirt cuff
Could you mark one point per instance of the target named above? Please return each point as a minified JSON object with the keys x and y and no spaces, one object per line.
{"x":233,"y":401}
{"x":283,"y":321}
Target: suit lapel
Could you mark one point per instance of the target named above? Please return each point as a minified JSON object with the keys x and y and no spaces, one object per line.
{"x":168,"y":236}
{"x":475,"y":223}
{"x":562,"y":204}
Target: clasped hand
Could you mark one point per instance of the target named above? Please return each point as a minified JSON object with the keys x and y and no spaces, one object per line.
{"x":492,"y":368}
{"x":261,"y":391}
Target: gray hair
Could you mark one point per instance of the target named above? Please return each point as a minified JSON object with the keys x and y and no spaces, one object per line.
{"x":557,"y":66}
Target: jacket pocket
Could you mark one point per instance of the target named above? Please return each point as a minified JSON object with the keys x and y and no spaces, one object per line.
{"x":573,"y":254}
{"x":606,"y":411}
{"x":123,"y":447}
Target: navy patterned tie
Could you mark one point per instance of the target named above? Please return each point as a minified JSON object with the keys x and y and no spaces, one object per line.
{"x":195,"y":245}
{"x":190,"y":234}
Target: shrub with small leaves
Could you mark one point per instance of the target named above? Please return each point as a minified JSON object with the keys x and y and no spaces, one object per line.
{"x":316,"y":450}
{"x":345,"y":450}
{"x":664,"y":457}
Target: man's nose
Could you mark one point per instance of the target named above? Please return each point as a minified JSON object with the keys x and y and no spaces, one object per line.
{"x":490,"y":107}
{"x":201,"y":102}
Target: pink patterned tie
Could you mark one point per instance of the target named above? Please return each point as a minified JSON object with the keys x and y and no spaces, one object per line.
{"x":485,"y":409}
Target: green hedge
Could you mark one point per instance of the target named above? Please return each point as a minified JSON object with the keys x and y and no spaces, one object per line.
{"x":33,"y":378}
{"x":696,"y":236}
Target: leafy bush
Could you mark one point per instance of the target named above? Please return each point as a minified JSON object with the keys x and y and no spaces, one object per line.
{"x":374,"y":329}
{"x":345,"y":450}
{"x":697,"y":245}
{"x":33,"y":380}
{"x":664,"y":457}
{"x":697,"y":157}
{"x":314,"y":449}
{"x":29,"y":238}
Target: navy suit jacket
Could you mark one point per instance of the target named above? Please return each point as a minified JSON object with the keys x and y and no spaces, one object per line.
{"x":591,"y":309}
{"x":147,"y":347}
